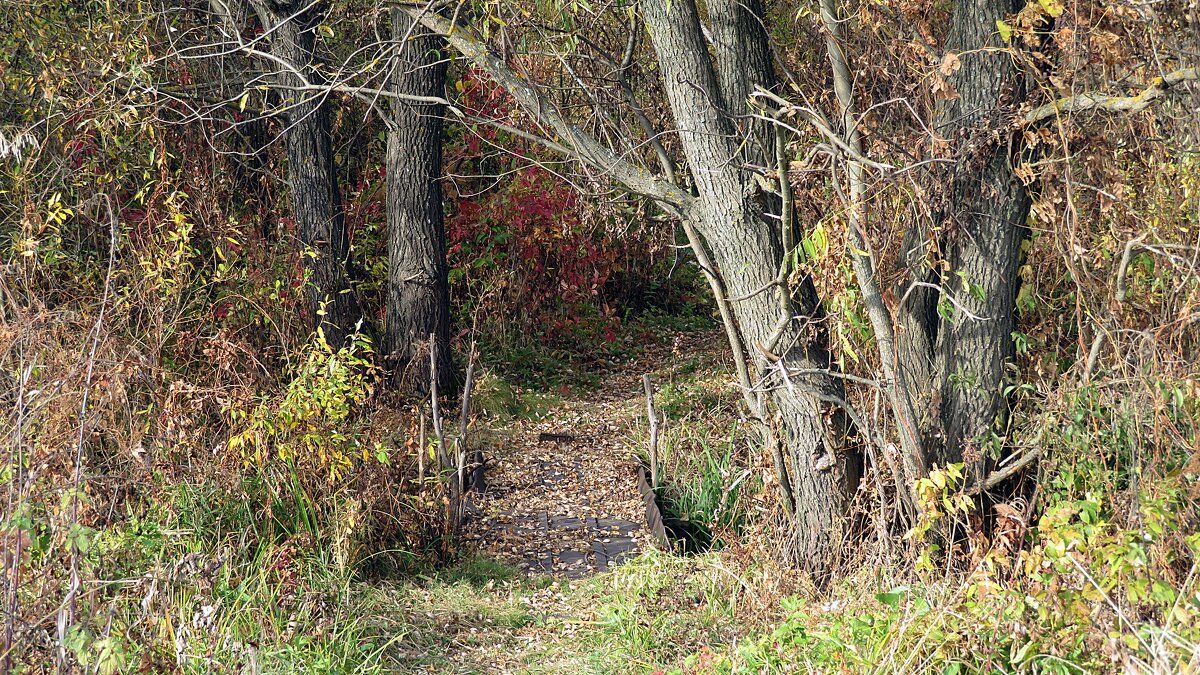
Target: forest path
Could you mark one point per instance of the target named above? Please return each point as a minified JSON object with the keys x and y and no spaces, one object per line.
{"x":562,"y":491}
{"x":561,"y":508}
{"x":562,"y":496}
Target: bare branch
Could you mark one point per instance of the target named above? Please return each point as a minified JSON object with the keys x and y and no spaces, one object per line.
{"x":818,"y":122}
{"x":1107,"y":103}
{"x":1000,"y":475}
{"x":583,"y":147}
{"x":949,"y":296}
{"x":862,"y":261}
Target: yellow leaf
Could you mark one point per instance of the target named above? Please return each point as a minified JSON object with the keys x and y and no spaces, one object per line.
{"x":1053,"y":7}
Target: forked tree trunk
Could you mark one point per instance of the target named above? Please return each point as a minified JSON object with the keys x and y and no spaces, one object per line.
{"x":316,"y":199}
{"x":418,"y":297}
{"x":728,"y":212}
{"x":955,"y":365}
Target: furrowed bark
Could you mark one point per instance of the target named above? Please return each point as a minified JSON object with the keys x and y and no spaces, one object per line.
{"x":316,"y":199}
{"x":986,"y":227}
{"x":418,"y":298}
{"x":727,"y":212}
{"x":742,"y":64}
{"x":742,"y":59}
{"x":960,"y":360}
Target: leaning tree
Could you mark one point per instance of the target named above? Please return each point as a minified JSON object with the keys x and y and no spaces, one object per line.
{"x":740,"y":230}
{"x":700,"y":118}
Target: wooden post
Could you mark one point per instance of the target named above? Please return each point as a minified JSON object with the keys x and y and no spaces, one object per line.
{"x":653,"y":431}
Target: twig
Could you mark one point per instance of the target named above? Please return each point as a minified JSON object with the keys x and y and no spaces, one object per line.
{"x":1015,"y":465}
{"x":73,"y":589}
{"x":461,"y":442}
{"x":438,"y":432}
{"x":582,"y":146}
{"x":1000,"y":475}
{"x":421,"y":449}
{"x":14,"y":579}
{"x":949,"y":296}
{"x":1122,"y":286}
{"x":1121,"y":292}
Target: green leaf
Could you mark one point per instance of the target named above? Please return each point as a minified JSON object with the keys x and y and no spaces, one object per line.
{"x":849,"y":348}
{"x":1005,"y":29}
{"x":945,"y":309}
{"x":1053,"y":7}
{"x":1026,"y":302}
{"x":77,"y":640}
{"x":820,"y":239}
{"x":81,"y":537}
{"x":1021,"y":653}
{"x":892,"y":598}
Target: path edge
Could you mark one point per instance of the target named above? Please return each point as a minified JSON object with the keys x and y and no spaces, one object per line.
{"x":654,"y":519}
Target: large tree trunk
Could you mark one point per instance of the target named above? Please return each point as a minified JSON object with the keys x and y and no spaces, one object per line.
{"x":316,"y":199}
{"x":781,"y":333}
{"x":418,"y":298}
{"x":954,"y":363}
{"x":742,"y":57}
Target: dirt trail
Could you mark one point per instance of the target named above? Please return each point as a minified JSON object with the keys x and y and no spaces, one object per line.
{"x":562,"y":494}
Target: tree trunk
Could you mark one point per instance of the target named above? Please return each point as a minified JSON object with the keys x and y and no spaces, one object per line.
{"x":418,"y":298}
{"x":960,"y":360}
{"x":780,"y":328}
{"x":742,"y":57}
{"x":316,"y":199}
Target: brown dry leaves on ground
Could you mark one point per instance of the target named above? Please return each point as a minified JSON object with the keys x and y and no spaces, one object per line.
{"x":562,"y":495}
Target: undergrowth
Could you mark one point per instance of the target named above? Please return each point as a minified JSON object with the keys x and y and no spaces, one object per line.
{"x":195,"y":482}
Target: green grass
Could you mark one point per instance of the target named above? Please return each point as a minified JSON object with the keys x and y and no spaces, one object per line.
{"x":210,"y":585}
{"x":261,"y":575}
{"x":209,"y":599}
{"x":703,"y":491}
{"x":496,"y":399}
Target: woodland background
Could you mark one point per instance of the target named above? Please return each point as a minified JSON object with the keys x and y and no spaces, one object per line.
{"x":207,"y":467}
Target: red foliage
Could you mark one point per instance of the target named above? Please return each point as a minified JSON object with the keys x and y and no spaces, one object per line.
{"x":530,"y":235}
